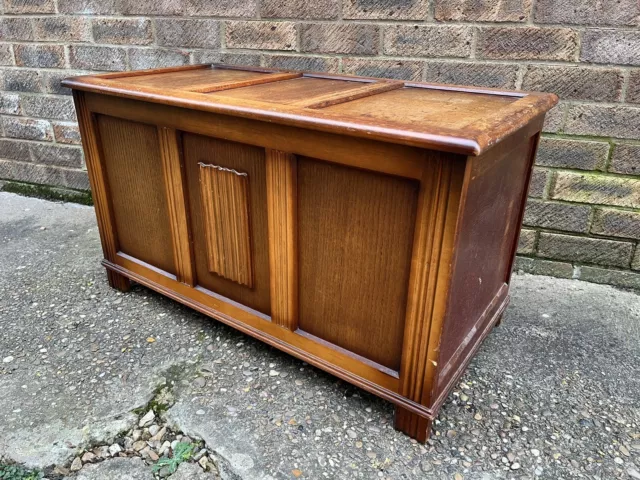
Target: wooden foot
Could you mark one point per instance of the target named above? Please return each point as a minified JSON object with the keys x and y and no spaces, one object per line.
{"x":497,"y":324}
{"x":412,"y":425}
{"x":117,"y":281}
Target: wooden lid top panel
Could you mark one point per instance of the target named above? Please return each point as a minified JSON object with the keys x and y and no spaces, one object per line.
{"x":457,"y":119}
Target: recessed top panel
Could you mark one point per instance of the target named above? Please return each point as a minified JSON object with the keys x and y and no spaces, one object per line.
{"x":292,"y":91}
{"x":191,"y":78}
{"x":423,"y":106}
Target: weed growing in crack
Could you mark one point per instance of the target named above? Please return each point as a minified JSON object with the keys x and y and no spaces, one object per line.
{"x":16,"y":472}
{"x":181,"y":453}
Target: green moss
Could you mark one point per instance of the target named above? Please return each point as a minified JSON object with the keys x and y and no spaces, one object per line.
{"x":16,"y":472}
{"x":47,"y":192}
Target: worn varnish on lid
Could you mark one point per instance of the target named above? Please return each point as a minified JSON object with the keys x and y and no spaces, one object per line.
{"x":463,"y":120}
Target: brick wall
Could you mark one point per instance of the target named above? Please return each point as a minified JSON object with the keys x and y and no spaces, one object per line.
{"x":583,"y":218}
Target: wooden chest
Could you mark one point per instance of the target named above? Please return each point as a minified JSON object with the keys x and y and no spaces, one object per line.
{"x":366,"y":226}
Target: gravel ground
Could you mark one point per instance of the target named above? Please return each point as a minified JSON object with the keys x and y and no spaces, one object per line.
{"x":553,"y":393}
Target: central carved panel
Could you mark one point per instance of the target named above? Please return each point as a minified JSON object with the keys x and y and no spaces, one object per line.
{"x":225,"y":204}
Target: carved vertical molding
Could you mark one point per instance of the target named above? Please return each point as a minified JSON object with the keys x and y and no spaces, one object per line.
{"x":97,"y":177}
{"x":283,"y":249}
{"x":438,"y":206}
{"x":225,"y":204}
{"x":99,"y":188}
{"x":175,"y":190}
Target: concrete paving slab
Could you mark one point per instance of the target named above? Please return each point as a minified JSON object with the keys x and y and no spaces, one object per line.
{"x":553,"y":392}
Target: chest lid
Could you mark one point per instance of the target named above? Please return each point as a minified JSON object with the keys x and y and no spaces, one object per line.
{"x":466,"y":120}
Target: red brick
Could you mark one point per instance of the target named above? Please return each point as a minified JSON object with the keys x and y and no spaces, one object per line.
{"x":539,"y":181}
{"x":527,"y":43}
{"x":317,"y":9}
{"x":428,"y":40}
{"x":39,"y":56}
{"x":89,"y":7}
{"x":66,"y":133}
{"x":386,"y":9}
{"x":63,"y":156}
{"x":9,"y":103}
{"x":261,"y":35}
{"x":611,"y":46}
{"x":479,"y":74}
{"x":358,"y":39}
{"x":625,"y":159}
{"x":575,"y":83}
{"x":134,"y":31}
{"x":484,"y":11}
{"x":151,"y":7}
{"x":608,"y":12}
{"x":49,"y":106}
{"x":14,"y":150}
{"x":398,"y":69}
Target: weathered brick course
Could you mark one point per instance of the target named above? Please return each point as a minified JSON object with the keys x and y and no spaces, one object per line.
{"x":215,"y":56}
{"x":398,"y":69}
{"x":52,"y":106}
{"x":299,"y":62}
{"x":616,"y":223}
{"x":537,"y":266}
{"x":62,"y":29}
{"x":635,"y":263}
{"x":27,"y":128}
{"x":485,"y":11}
{"x":14,"y":150}
{"x":39,"y":56}
{"x":564,"y":153}
{"x":598,"y":189}
{"x":611,"y":46}
{"x":9,"y":103}
{"x":620,"y":12}
{"x":554,"y":119}
{"x":603,"y":121}
{"x":610,"y":277}
{"x":557,"y":216}
{"x":497,"y":75}
{"x":49,"y":154}
{"x":44,"y":174}
{"x":261,"y":35}
{"x":21,"y":80}
{"x":89,"y":7}
{"x":188,"y":33}
{"x":575,"y":83}
{"x":144,"y":58}
{"x":29,"y":6}
{"x":357,"y":39}
{"x":316,"y":10}
{"x":15,"y":28}
{"x":222,"y":8}
{"x":97,"y":58}
{"x":121,"y":31}
{"x":583,"y":249}
{"x":527,"y":43}
{"x":625,"y":159}
{"x":386,"y":9}
{"x":428,"y":40}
